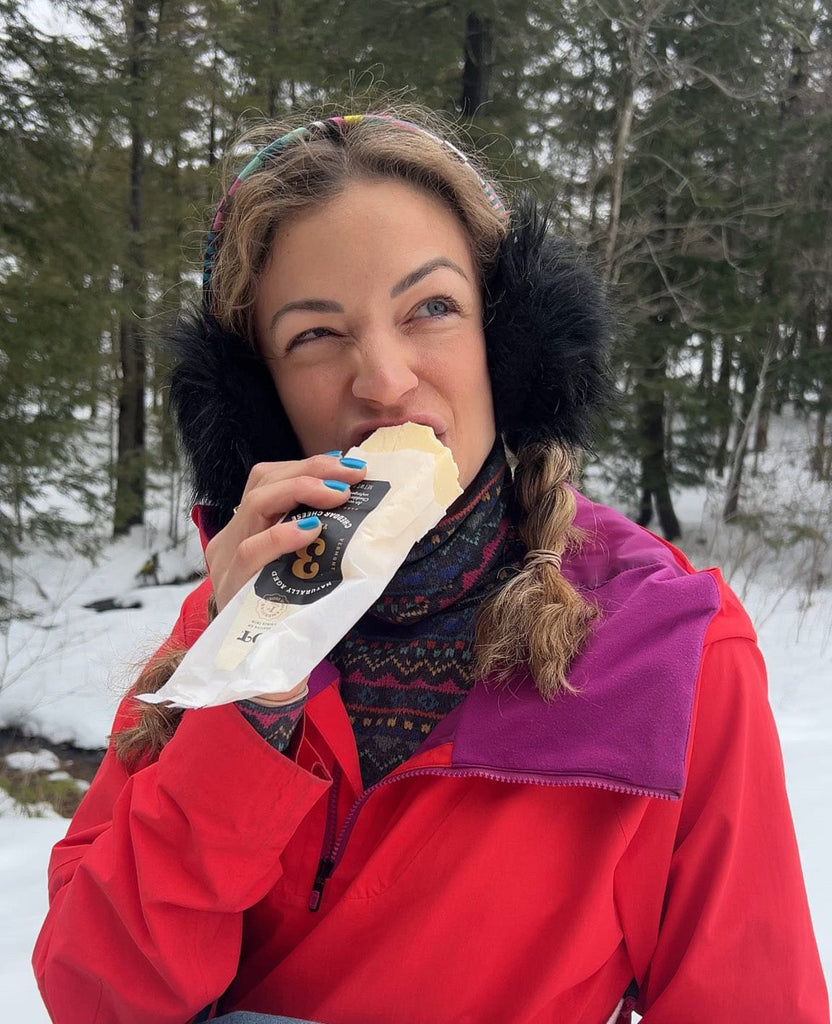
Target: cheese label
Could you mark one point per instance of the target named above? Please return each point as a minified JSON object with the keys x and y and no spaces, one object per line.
{"x":310,"y":573}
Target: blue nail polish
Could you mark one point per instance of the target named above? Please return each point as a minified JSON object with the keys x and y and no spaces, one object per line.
{"x":353,"y":463}
{"x":337,"y":452}
{"x":308,"y":523}
{"x":337,"y":485}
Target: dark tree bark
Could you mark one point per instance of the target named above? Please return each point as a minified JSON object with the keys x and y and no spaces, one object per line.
{"x":650,"y":390}
{"x":479,"y":61}
{"x":761,"y":426}
{"x":706,"y":373}
{"x":131,"y":461}
{"x":272,"y":79}
{"x":212,"y":118}
{"x":822,"y":449}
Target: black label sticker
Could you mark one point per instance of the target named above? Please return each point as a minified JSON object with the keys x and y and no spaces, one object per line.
{"x":312,"y":572}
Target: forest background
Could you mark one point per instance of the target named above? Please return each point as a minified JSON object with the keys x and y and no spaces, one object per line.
{"x":687,"y":147}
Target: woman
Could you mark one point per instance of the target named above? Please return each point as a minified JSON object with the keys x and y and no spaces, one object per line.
{"x":569,"y":807}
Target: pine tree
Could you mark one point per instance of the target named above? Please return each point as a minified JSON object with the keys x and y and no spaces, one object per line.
{"x":54,"y":269}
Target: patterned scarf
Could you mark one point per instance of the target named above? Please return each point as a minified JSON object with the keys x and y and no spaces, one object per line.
{"x":409,"y":661}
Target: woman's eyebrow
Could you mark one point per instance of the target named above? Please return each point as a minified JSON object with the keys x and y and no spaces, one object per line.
{"x":308,"y":306}
{"x":415,"y":276}
{"x":328,"y":306}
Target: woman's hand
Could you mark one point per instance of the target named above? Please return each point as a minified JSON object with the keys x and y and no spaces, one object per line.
{"x":255,"y":536}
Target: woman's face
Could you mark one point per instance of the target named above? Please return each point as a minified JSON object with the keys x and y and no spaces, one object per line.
{"x":369,"y":313}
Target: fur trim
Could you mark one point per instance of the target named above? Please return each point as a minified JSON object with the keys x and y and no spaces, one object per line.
{"x":227,"y":410}
{"x":545,"y":328}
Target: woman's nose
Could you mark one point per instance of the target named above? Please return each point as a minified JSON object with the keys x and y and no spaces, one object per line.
{"x":384,"y":373}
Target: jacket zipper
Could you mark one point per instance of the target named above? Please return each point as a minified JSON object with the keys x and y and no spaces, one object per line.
{"x":333,"y":846}
{"x":325,"y":864}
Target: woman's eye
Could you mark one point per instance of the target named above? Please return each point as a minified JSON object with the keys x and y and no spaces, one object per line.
{"x":437,"y":306}
{"x":310,"y":335}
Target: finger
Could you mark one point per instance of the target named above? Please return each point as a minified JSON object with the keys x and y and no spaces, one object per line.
{"x":261,"y":548}
{"x":232,"y":568}
{"x":328,"y":466}
{"x":271,"y":501}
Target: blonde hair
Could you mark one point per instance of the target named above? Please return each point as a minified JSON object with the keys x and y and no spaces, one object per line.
{"x":537,"y":617}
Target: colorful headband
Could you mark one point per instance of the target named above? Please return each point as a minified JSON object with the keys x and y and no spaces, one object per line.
{"x":305,"y":132}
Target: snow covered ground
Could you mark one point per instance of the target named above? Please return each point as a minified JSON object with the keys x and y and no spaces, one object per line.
{"x":62,"y":672}
{"x":64,"y":668}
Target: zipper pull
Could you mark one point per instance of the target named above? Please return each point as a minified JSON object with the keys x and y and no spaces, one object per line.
{"x":325,"y":867}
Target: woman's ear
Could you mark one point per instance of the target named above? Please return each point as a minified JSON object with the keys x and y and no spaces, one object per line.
{"x":546,"y":326}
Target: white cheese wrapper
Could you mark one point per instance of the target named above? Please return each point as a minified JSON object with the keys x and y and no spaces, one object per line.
{"x":288,"y":617}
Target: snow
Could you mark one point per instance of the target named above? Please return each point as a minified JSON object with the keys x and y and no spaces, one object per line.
{"x":64,"y":667}
{"x":9,"y":807}
{"x":799,"y":660}
{"x":33,"y":761}
{"x":24,"y":853}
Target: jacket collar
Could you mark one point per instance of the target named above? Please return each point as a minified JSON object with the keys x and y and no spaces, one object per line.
{"x":627,"y":726}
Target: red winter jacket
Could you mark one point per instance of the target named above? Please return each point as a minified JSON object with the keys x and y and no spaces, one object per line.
{"x":521,"y":868}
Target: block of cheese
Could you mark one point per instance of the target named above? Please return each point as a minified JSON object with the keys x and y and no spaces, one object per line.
{"x":290,"y":615}
{"x":421,"y":438}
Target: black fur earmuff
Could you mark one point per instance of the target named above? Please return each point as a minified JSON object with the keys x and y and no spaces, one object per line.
{"x":546,"y":325}
{"x":545,"y":330}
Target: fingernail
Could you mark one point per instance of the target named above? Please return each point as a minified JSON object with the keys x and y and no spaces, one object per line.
{"x":337,"y":485}
{"x":353,"y":463}
{"x":336,"y":452}
{"x":308,"y":523}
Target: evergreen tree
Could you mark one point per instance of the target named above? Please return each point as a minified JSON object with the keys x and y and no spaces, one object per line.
{"x":54,"y":271}
{"x":686,"y":146}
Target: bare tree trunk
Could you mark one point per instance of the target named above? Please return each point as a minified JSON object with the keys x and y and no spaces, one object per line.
{"x":723,"y":398}
{"x":113,"y":386}
{"x":732,"y":490}
{"x":638,"y":26}
{"x":131,"y":464}
{"x":479,"y":60}
{"x":622,"y":139}
{"x":761,"y":428}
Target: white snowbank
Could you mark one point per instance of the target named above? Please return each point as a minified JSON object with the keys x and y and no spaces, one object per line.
{"x":25,"y":844}
{"x":33,"y":761}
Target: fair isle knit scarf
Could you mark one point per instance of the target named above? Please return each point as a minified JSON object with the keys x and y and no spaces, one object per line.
{"x":409,"y":661}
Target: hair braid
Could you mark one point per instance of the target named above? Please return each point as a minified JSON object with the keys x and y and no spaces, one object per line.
{"x":156,"y":722}
{"x":538,"y":617}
